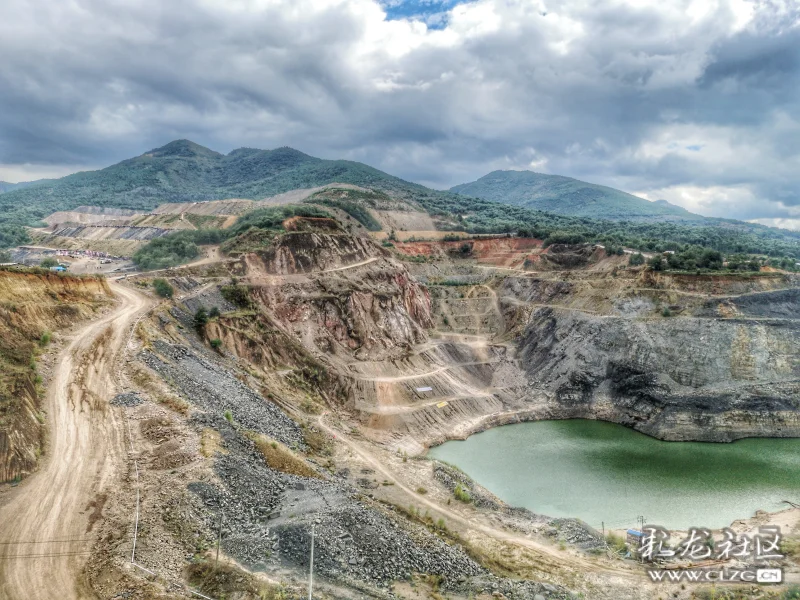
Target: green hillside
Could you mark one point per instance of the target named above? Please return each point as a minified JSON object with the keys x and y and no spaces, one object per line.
{"x":7,"y":187}
{"x":183,"y":171}
{"x":568,"y":196}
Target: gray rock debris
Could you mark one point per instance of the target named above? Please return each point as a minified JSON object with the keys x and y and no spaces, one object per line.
{"x":211,"y":388}
{"x":127,"y":399}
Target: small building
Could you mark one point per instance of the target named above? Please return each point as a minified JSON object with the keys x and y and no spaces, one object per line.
{"x":634,"y":539}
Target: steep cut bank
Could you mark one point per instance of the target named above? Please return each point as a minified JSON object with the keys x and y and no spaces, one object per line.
{"x":32,"y":306}
{"x":678,"y":358}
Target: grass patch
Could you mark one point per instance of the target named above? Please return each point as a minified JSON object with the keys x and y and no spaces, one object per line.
{"x":319,"y":443}
{"x":616,"y":543}
{"x":462,"y":494}
{"x":210,"y":442}
{"x":280,"y":458}
{"x":173,"y":403}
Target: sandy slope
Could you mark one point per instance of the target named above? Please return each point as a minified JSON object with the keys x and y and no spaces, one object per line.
{"x":46,"y":526}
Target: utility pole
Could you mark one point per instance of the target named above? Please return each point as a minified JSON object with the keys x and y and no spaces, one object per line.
{"x":640,"y":518}
{"x":311,"y":566}
{"x":219,"y":535}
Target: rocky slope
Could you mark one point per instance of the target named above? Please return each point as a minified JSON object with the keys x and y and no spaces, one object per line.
{"x":669,"y":363}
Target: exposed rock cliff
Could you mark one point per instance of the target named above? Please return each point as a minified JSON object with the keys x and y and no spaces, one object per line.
{"x":727,"y":367}
{"x":342,"y":294}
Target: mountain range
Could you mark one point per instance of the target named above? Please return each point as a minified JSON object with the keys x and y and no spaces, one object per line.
{"x":568,"y":196}
{"x":501,"y":202}
{"x":183,"y":171}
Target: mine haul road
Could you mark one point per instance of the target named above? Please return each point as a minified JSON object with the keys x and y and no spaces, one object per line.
{"x":46,"y":524}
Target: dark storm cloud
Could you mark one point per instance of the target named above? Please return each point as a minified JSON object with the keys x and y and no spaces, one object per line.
{"x":666,"y":99}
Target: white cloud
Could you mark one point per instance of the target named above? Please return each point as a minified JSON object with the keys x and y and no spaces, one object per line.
{"x":692,"y":99}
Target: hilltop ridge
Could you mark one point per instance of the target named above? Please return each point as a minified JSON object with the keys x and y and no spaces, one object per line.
{"x":569,"y":196}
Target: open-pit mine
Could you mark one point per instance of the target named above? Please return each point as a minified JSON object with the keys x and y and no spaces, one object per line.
{"x":189,"y":439}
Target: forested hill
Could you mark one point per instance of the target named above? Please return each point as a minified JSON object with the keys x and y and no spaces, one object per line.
{"x":183,"y":171}
{"x":7,"y":187}
{"x":568,"y":196}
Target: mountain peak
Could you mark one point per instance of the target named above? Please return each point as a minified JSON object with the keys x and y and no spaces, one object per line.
{"x":568,"y":196}
{"x":182,"y":148}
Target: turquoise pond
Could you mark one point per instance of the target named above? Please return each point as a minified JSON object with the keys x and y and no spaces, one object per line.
{"x":602,"y":472}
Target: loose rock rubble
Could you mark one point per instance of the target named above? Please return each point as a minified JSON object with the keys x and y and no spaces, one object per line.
{"x":451,"y":477}
{"x":267,"y":518}
{"x":575,"y":531}
{"x":213,"y":389}
{"x":127,"y":399}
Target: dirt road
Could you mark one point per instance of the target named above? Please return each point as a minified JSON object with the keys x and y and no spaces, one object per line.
{"x":558,"y":557}
{"x":46,"y":527}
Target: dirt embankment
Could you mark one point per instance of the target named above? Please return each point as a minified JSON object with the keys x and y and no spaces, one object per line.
{"x":32,"y":307}
{"x":500,"y":251}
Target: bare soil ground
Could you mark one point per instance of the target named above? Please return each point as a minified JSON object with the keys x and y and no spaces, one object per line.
{"x":48,"y":521}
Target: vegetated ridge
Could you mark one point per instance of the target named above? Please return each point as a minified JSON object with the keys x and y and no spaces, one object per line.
{"x":568,"y":196}
{"x":183,"y":171}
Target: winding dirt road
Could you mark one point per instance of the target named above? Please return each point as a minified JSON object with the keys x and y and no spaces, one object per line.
{"x":46,"y":527}
{"x":558,"y":558}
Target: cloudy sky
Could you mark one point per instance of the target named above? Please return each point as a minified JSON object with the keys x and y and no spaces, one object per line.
{"x":695,"y":101}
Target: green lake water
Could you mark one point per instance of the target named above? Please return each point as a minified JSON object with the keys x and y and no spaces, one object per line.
{"x":602,"y":472}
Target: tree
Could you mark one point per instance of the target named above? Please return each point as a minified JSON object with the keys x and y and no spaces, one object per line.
{"x":710,"y":259}
{"x":656,"y":263}
{"x":200,"y":319}
{"x":214,"y":312}
{"x":5,"y":256}
{"x":48,"y":262}
{"x":636,"y":259}
{"x":162,"y":288}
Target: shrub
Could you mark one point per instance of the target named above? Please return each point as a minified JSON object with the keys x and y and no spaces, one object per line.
{"x":214,"y":312}
{"x":216,"y":343}
{"x":636,"y":260}
{"x":176,"y":248}
{"x":48,"y":262}
{"x":236,"y":294}
{"x":44,"y":340}
{"x":666,"y":312}
{"x":563,"y":237}
{"x":200,"y":318}
{"x":656,"y":263}
{"x":162,"y":288}
{"x":616,"y":542}
{"x":421,"y":490}
{"x":462,"y":494}
{"x":229,"y":416}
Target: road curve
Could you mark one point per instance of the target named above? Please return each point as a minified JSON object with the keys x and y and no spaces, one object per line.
{"x":557,"y":557}
{"x":46,"y":526}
